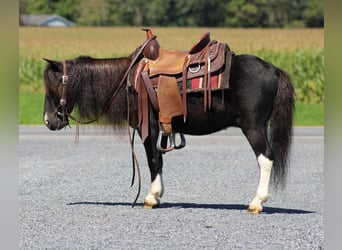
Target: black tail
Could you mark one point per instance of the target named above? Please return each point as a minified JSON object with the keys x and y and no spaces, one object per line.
{"x":281,"y":127}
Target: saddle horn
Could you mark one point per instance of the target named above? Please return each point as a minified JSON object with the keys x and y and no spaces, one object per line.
{"x":151,"y":50}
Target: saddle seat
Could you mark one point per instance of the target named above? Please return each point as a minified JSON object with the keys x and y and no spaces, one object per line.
{"x":172,"y":62}
{"x":169,"y":62}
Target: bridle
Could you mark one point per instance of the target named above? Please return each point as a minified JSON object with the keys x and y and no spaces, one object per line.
{"x":62,"y":108}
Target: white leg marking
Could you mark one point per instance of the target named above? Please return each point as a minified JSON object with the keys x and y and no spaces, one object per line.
{"x":156,"y":191}
{"x":262,"y":192}
{"x":265,"y":174}
{"x":157,"y":187}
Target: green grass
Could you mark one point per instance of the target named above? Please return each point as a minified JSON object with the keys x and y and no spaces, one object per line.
{"x":309,"y":114}
{"x":31,"y":111}
{"x":31,"y":106}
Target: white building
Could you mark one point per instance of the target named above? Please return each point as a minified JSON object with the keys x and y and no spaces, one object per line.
{"x":45,"y":20}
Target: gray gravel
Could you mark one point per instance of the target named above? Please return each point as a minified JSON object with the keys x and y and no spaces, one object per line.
{"x":79,"y":196}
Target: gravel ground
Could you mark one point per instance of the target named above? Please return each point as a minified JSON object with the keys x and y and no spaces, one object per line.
{"x":79,"y":196}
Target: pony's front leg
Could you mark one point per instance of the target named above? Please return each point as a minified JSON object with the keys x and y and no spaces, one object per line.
{"x":261,"y":196}
{"x":155,"y":163}
{"x":156,"y":192}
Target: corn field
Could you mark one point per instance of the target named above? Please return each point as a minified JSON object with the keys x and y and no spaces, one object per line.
{"x":300,"y":52}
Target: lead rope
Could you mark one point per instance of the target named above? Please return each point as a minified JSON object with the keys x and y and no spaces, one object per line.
{"x":78,"y":122}
{"x":135,"y":159}
{"x":134,"y":156}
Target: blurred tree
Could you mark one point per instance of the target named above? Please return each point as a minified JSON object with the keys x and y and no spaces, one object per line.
{"x":314,"y":14}
{"x":133,"y":11}
{"x":157,"y":13}
{"x":233,"y":13}
{"x":94,"y":13}
{"x":208,"y":13}
{"x":66,"y":8}
{"x":116,"y":13}
{"x":243,"y":13}
{"x":39,"y":6}
{"x":282,"y":12}
{"x":69,"y":9}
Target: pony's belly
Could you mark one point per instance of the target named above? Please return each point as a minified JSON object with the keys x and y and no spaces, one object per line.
{"x":202,"y":125}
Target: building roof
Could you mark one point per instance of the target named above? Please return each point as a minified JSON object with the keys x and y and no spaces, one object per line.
{"x":45,"y":20}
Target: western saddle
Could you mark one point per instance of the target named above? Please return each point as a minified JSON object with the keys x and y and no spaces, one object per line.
{"x":162,"y":77}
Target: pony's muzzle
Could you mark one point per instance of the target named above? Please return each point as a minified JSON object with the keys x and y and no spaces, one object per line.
{"x":55,"y":121}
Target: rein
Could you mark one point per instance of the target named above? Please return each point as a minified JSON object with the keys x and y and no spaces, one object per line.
{"x":64,"y":112}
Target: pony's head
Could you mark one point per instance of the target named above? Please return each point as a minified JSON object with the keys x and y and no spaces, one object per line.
{"x":56,"y":103}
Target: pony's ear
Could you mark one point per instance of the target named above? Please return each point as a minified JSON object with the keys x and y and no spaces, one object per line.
{"x":56,"y":65}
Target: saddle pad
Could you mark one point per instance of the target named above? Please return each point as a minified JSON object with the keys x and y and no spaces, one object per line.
{"x":218,"y":80}
{"x":196,"y":84}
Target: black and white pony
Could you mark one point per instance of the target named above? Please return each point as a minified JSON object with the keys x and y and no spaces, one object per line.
{"x":260,"y":101}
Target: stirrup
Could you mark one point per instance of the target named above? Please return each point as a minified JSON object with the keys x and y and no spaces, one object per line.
{"x":168,"y":137}
{"x":182,"y":142}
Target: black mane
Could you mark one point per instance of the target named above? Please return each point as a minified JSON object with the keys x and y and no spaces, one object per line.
{"x":94,"y":82}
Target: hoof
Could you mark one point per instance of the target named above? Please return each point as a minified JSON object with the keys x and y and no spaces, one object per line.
{"x":147,"y":205}
{"x":254,"y":210}
{"x":151,"y":202}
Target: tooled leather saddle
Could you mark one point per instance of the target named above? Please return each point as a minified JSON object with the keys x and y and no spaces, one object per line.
{"x":164,"y":77}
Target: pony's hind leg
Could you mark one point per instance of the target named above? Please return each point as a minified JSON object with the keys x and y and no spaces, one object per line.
{"x":258,"y":140}
{"x":261,"y":195}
